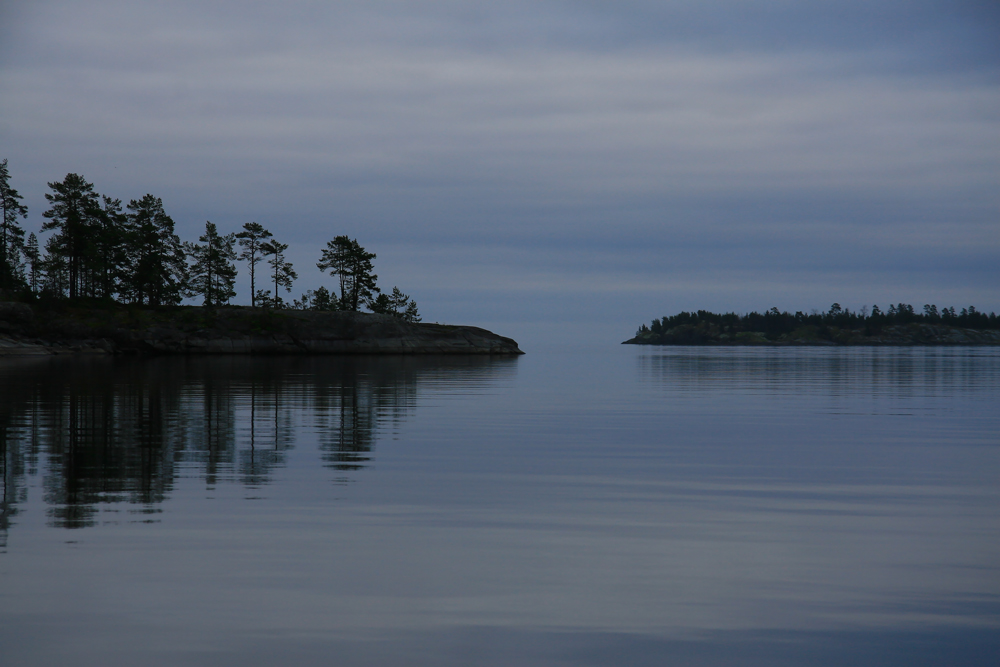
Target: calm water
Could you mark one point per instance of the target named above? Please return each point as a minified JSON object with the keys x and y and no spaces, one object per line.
{"x":639,"y":506}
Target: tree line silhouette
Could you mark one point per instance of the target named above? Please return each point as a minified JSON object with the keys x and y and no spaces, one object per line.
{"x":773,"y":324}
{"x":102,"y":249}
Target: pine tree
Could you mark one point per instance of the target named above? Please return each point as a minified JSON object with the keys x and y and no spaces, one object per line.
{"x":345,"y":258}
{"x":410,"y":314}
{"x":158,"y":266}
{"x":251,"y":238}
{"x":11,"y":234}
{"x":111,"y":259}
{"x":396,"y":304}
{"x":281,"y":270}
{"x":213,"y":275}
{"x":320,"y":299}
{"x":335,"y":259}
{"x":75,"y":216}
{"x":34,"y":257}
{"x":54,"y":268}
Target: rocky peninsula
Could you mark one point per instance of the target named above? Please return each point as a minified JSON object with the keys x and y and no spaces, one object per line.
{"x":109,"y":328}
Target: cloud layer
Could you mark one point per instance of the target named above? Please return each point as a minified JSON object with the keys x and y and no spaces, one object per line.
{"x":546,"y":160}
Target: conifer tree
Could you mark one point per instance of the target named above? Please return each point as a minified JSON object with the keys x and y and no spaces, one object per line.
{"x":75,"y":215}
{"x":396,"y":304}
{"x":212,"y":272}
{"x":11,"y":233}
{"x":251,"y":239}
{"x":281,"y":270}
{"x":32,"y":254}
{"x":410,"y":313}
{"x":158,"y":267}
{"x":111,"y":259}
{"x":352,"y":264}
{"x":320,"y":299}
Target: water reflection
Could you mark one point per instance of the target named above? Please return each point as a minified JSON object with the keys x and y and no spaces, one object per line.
{"x":779,"y":507}
{"x":103,"y":431}
{"x":871,"y":371}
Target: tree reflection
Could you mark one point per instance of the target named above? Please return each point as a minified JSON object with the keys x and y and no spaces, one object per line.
{"x":18,"y":456}
{"x":835,"y":372}
{"x":113,"y":430}
{"x":269,"y":426}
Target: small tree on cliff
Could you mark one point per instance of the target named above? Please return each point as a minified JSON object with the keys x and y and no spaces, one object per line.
{"x":396,"y":304}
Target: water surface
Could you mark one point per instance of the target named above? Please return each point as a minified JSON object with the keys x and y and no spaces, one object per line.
{"x":591,"y":507}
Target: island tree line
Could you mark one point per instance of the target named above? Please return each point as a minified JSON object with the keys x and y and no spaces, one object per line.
{"x":100,"y":248}
{"x":695,"y":327}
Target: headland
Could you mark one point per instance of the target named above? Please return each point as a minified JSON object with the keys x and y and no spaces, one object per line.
{"x":110,"y":328}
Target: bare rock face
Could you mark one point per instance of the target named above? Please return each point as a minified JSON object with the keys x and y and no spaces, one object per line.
{"x":234,"y":330}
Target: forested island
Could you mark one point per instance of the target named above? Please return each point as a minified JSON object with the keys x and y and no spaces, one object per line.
{"x":112,"y":277}
{"x":900,"y":324}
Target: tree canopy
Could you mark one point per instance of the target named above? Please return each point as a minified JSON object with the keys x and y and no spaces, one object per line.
{"x":282,"y":272}
{"x":75,"y":216}
{"x":396,"y":304}
{"x":345,"y":259}
{"x":154,"y":255}
{"x":213,"y":274}
{"x":98,"y":248}
{"x":251,"y":239}
{"x":704,"y":327}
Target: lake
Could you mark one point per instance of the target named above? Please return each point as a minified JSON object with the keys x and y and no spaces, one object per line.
{"x":612,"y":505}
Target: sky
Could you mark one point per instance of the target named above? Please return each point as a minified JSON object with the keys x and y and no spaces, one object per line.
{"x":583,"y":166}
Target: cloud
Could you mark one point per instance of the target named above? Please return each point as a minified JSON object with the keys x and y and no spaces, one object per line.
{"x":562,"y":144}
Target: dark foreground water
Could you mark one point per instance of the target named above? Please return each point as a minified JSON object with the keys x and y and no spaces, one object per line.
{"x":618,"y":506}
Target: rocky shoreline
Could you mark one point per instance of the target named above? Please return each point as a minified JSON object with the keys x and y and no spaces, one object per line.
{"x":116,"y":329}
{"x":912,"y":334}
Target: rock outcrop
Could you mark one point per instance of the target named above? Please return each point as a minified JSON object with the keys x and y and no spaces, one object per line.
{"x":112,"y":329}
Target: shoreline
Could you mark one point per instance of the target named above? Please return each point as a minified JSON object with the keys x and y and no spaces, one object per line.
{"x":63,"y":328}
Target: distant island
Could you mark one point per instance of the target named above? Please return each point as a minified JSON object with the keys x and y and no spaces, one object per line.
{"x":899,"y":325}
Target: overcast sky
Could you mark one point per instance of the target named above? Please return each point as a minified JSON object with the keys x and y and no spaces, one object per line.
{"x":516,"y":163}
